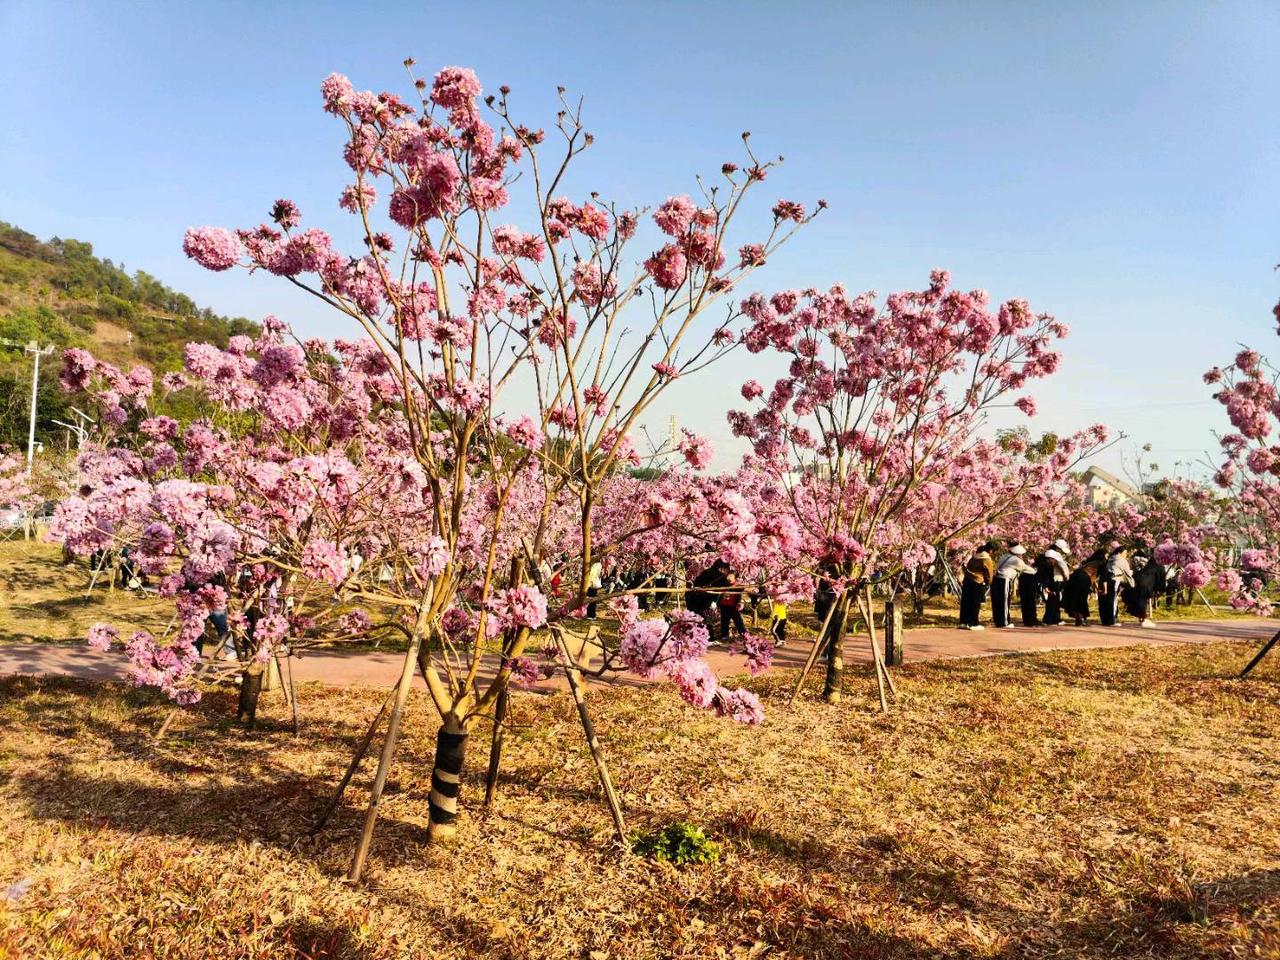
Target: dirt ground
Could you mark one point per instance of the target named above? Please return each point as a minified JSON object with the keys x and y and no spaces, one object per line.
{"x":1076,"y":804}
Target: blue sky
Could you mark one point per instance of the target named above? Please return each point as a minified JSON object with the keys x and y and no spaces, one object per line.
{"x":1113,"y":163}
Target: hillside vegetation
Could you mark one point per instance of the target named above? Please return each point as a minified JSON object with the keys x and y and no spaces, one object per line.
{"x":58,"y":291}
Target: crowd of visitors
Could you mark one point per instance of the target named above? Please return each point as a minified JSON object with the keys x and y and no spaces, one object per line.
{"x":1124,"y":575}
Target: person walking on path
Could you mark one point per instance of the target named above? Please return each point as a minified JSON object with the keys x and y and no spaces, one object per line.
{"x":778,"y":622}
{"x":1012,"y":565}
{"x":1117,"y":575}
{"x":1053,"y":571}
{"x":1149,"y":582}
{"x":595,"y":580}
{"x":978,"y":573}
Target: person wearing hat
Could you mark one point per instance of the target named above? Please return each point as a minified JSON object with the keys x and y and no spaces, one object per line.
{"x":1012,"y":564}
{"x":1053,"y":572}
{"x":1148,"y":583}
{"x":978,"y":573}
{"x":1117,"y":575}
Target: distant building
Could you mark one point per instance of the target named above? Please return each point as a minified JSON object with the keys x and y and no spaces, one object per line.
{"x":1106,"y":490}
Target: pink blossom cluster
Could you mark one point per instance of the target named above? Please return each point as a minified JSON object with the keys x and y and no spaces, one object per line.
{"x":674,"y":648}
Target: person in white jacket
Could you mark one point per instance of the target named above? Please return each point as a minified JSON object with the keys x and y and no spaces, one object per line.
{"x":1116,"y":576}
{"x":1055,"y":572}
{"x":1012,"y":564}
{"x":595,"y":581}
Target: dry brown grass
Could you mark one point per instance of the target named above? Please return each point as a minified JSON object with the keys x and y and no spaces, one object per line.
{"x":1085,"y":804}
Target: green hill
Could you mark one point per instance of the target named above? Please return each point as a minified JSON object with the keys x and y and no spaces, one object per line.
{"x":57,"y":291}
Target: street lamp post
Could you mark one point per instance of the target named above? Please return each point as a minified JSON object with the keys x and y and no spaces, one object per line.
{"x":36,"y":352}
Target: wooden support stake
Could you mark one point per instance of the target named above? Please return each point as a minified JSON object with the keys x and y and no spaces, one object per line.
{"x":174,"y":711}
{"x":384,"y":761}
{"x":893,"y":652}
{"x":868,"y":614}
{"x":813,"y":653}
{"x":1266,"y":648}
{"x":575,"y":685}
{"x":495,"y":748}
{"x":498,"y":737}
{"x":1205,"y":600}
{"x":93,"y":581}
{"x":361,"y":750}
{"x":876,"y":654}
{"x":292,"y":693}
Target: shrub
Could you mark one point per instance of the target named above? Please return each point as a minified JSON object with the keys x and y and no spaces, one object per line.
{"x":678,"y":844}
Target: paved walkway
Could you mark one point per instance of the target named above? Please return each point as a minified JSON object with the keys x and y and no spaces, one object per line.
{"x":378,"y":669}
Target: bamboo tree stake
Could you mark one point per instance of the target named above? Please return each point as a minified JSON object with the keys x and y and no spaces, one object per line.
{"x":1266,"y":648}
{"x":878,"y":652}
{"x":495,"y":748}
{"x":868,"y":617}
{"x":575,"y":685}
{"x":174,"y":711}
{"x":1205,"y":600}
{"x":388,"y":751}
{"x":93,"y":581}
{"x":813,"y":653}
{"x":877,"y":661}
{"x":291,"y":691}
{"x":361,"y":750}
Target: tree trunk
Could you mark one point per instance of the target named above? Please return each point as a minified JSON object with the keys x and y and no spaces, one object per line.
{"x":835,"y":650}
{"x":446,"y":778}
{"x":250,"y":692}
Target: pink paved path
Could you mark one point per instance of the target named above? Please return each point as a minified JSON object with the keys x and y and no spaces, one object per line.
{"x":373,"y":668}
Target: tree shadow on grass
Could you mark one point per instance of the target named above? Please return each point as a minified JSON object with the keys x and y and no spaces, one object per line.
{"x":317,"y":941}
{"x":274,"y":811}
{"x":250,"y":793}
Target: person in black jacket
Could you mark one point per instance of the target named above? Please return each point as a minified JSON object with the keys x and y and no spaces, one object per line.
{"x":978,"y":574}
{"x":1053,"y":573}
{"x":1080,"y":585}
{"x":1030,"y":592}
{"x":1149,"y":582}
{"x":700,"y":597}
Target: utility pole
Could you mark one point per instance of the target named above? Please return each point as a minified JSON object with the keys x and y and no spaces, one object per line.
{"x":36,"y":352}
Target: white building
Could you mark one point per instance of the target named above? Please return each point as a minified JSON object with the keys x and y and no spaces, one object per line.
{"x":1106,"y":490}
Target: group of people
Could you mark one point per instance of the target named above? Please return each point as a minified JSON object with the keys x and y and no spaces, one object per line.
{"x":1124,"y":574}
{"x":718,"y":585}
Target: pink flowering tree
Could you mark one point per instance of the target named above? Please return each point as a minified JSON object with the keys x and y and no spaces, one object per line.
{"x":270,"y":511}
{"x":1250,"y":474}
{"x":878,"y":406}
{"x":1191,"y":530}
{"x":15,"y":485}
{"x":522,"y":342}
